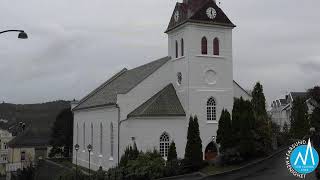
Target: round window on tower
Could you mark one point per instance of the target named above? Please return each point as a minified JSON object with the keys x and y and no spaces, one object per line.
{"x":211,"y":77}
{"x":179,"y":78}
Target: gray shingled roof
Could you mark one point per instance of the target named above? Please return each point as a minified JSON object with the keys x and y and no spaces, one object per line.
{"x":31,"y":137}
{"x":164,"y":103}
{"x":121,"y":83}
{"x":296,"y":95}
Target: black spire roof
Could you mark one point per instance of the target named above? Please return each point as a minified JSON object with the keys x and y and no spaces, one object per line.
{"x":195,"y":11}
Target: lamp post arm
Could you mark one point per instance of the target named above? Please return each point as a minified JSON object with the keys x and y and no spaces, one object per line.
{"x":13,"y":30}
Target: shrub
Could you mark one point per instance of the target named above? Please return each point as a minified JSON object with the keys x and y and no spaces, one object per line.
{"x":193,"y":152}
{"x":224,"y":133}
{"x":130,"y":153}
{"x":149,"y":165}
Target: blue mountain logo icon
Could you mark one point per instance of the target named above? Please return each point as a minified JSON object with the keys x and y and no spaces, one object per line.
{"x":304,"y":159}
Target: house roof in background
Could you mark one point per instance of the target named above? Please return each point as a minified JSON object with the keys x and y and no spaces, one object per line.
{"x":121,"y":83}
{"x":164,"y":103}
{"x":296,"y":95}
{"x":31,"y":137}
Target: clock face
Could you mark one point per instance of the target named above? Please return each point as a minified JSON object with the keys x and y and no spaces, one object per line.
{"x":176,"y":16}
{"x":211,"y":13}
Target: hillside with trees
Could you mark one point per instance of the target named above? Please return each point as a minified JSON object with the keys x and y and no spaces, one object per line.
{"x":39,"y":116}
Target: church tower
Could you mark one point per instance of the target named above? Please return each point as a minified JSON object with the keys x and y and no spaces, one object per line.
{"x":200,"y":45}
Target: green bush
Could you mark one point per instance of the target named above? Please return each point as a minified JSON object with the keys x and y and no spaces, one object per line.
{"x":149,"y":165}
{"x":193,"y":157}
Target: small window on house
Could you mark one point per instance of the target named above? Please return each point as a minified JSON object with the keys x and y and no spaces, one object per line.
{"x":216,"y":47}
{"x":164,"y":144}
{"x":182,"y":47}
{"x":177,"y":50}
{"x":111,"y":140}
{"x":211,"y":110}
{"x":204,"y":46}
{"x":23,"y":156}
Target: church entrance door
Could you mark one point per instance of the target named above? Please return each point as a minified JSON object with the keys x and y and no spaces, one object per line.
{"x":211,"y":151}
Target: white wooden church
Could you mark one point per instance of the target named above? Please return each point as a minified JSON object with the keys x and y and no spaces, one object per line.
{"x":151,"y":104}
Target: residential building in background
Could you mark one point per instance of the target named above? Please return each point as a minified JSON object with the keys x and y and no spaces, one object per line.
{"x":26,"y":149}
{"x":5,"y":137}
{"x":281,"y":109}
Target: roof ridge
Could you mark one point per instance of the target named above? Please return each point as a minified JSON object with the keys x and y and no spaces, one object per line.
{"x":101,"y":86}
{"x":149,"y":63}
{"x":106,"y":94}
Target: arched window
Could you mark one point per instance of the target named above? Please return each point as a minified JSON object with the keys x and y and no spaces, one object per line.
{"x":211,"y":110}
{"x":182,"y":47}
{"x":164,"y":144}
{"x":204,"y":46}
{"x":177,"y":50}
{"x":101,"y":138}
{"x":216,"y":48}
{"x":84,"y":136}
{"x":111,"y":140}
{"x":91,"y":135}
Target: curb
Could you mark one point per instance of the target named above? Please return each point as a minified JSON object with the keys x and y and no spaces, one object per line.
{"x":248,"y":165}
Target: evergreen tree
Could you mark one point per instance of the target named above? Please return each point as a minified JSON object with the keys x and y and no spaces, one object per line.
{"x":193,"y":152}
{"x":246,"y":144}
{"x":130,"y":153}
{"x":135,"y":151}
{"x":258,"y":100}
{"x":315,"y":119}
{"x":224,"y":133}
{"x":299,"y":118}
{"x":236,"y":121}
{"x":262,"y":126}
{"x":62,"y":132}
{"x":314,"y":94}
{"x":198,"y":145}
{"x":188,"y":150}
{"x":172,"y":154}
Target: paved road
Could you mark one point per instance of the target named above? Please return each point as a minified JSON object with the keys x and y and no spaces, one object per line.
{"x":272,"y":169}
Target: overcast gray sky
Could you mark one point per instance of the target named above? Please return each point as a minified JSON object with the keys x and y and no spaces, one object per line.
{"x":75,"y":45}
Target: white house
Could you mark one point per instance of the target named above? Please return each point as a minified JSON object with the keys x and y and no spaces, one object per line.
{"x":281,"y":108}
{"x":151,"y":104}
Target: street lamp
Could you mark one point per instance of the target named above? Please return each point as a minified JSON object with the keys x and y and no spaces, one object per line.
{"x":89,"y":150}
{"x":21,"y":35}
{"x":76,"y":147}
